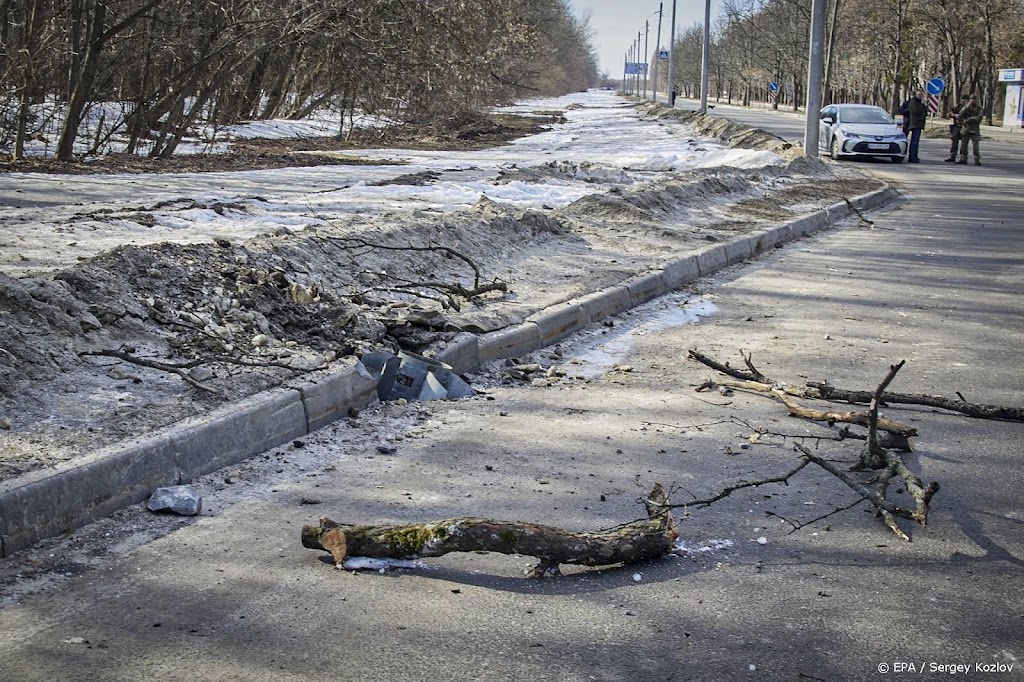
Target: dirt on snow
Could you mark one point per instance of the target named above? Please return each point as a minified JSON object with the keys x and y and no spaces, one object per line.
{"x":224,"y":320}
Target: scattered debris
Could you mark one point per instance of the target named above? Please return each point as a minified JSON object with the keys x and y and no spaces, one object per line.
{"x":413,"y":377}
{"x":179,"y":499}
{"x":875,"y":457}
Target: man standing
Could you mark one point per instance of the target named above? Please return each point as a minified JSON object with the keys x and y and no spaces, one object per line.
{"x":970,"y":119}
{"x":955,"y":128}
{"x":918,"y":114}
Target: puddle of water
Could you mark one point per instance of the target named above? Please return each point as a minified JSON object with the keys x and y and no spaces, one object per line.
{"x":594,"y":355}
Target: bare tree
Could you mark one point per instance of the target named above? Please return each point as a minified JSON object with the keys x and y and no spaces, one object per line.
{"x":155,"y":69}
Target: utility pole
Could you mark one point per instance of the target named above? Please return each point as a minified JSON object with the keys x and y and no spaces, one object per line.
{"x":629,"y":61}
{"x":637,"y":91}
{"x":657,"y":59}
{"x":815,"y":69}
{"x":672,"y":57}
{"x":647,"y":53}
{"x":705,"y":59}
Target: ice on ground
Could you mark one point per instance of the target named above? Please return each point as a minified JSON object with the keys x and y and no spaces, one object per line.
{"x":707,"y":547}
{"x":595,"y":355}
{"x":362,"y":563}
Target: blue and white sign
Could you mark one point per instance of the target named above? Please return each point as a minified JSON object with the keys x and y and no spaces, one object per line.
{"x":1011,"y":75}
{"x":936,"y":86}
{"x":636,"y":68}
{"x":663,"y":54}
{"x":773,"y":86}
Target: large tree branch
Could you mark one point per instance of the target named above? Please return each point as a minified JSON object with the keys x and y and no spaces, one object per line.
{"x":823,"y":390}
{"x":982,"y":411}
{"x":647,"y":539}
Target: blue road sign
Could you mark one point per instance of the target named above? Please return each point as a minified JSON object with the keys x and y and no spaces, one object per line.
{"x":663,"y":54}
{"x":936,"y":86}
{"x":773,"y":86}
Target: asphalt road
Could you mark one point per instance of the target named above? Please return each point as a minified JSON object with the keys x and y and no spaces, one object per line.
{"x":935,"y":280}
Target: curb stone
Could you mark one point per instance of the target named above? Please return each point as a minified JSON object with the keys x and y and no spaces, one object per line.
{"x":462,"y":354}
{"x":738,"y":250}
{"x":44,"y":503}
{"x":330,"y":398}
{"x":647,"y":288}
{"x":711,"y":259}
{"x":563,"y":320}
{"x":680,"y":272}
{"x":510,"y":342}
{"x":602,"y":304}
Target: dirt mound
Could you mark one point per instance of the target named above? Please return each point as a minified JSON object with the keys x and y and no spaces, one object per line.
{"x":566,"y":170}
{"x":730,"y":133}
{"x":139,"y":337}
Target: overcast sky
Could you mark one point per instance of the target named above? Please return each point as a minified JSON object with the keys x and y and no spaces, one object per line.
{"x":616,"y":22}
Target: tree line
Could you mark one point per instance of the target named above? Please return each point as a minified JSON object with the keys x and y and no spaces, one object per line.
{"x":155,"y":69}
{"x":876,"y":51}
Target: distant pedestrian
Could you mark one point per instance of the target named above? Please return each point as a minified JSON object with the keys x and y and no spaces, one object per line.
{"x":970,"y":120}
{"x":673,"y":102}
{"x":955,"y":128}
{"x":917,"y":115}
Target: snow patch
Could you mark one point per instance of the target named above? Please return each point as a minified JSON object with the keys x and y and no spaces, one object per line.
{"x":681,"y":547}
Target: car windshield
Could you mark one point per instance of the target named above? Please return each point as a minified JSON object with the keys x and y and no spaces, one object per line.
{"x":865,"y":116}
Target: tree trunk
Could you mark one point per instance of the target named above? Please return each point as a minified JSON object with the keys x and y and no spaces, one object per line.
{"x":630,"y":543}
{"x":830,"y":52}
{"x":990,"y":63}
{"x":33,"y":27}
{"x":82,"y":80}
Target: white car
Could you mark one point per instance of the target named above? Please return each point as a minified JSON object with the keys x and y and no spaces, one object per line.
{"x":860,"y":130}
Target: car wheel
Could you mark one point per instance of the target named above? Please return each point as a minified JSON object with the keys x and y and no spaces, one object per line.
{"x":834,"y":149}
{"x":896,"y":159}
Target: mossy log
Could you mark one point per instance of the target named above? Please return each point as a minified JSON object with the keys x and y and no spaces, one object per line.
{"x":637,"y":541}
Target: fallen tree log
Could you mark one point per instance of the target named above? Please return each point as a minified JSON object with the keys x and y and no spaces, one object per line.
{"x":649,"y":538}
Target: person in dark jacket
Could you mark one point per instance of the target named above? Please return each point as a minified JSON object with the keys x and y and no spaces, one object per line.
{"x":955,"y":128}
{"x":918,"y":113}
{"x":970,"y":118}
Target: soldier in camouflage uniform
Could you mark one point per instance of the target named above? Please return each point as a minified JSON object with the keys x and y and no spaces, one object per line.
{"x":955,"y":128}
{"x":970,"y":119}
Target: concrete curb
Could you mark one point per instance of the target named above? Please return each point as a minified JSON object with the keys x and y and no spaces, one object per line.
{"x":54,"y":501}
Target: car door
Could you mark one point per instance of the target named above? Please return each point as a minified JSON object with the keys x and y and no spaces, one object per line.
{"x":825,"y":128}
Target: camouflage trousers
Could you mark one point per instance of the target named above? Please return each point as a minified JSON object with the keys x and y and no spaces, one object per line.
{"x":973,"y":138}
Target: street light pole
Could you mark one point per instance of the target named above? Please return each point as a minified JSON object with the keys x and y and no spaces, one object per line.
{"x":647,"y":53}
{"x":705,"y":59}
{"x":672,"y":57}
{"x":815,"y":69}
{"x":637,"y":91}
{"x":657,"y":59}
{"x":632,"y":65}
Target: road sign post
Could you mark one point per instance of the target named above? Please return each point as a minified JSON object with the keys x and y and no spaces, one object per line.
{"x":935,"y":87}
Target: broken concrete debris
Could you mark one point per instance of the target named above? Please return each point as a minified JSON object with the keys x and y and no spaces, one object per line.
{"x":178,"y":499}
{"x":413,"y":377}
